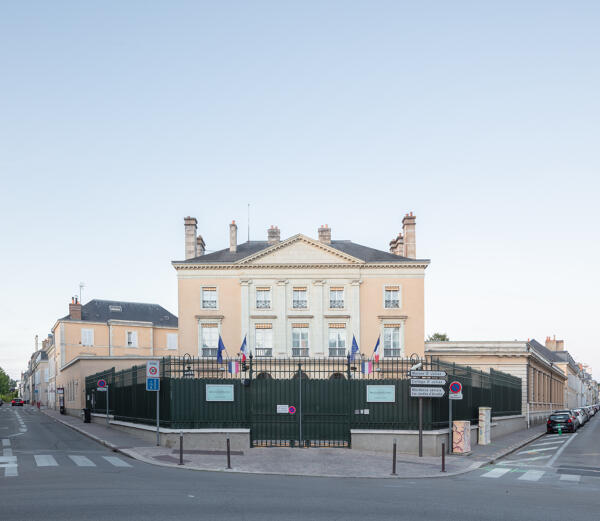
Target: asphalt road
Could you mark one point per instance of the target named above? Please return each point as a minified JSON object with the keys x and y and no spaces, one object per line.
{"x":61,"y":475}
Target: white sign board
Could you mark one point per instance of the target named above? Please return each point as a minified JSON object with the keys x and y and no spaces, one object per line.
{"x":152,"y":369}
{"x":455,"y":396}
{"x":283,"y":409}
{"x":426,"y":392}
{"x":381,"y":393}
{"x":428,"y":373}
{"x":430,"y":381}
{"x":219,"y":393}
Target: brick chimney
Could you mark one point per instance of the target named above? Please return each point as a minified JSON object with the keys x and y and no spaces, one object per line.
{"x":555,"y":345}
{"x":325,"y":234}
{"x":75,"y":309}
{"x":273,"y":235}
{"x":191,"y":229}
{"x":410,"y":235}
{"x":233,"y":237}
{"x":397,"y":245}
{"x":200,"y":246}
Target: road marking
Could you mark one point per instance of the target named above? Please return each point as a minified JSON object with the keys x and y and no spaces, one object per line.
{"x":45,"y":461}
{"x":513,"y":461}
{"x":547,"y":443}
{"x":496,"y":473}
{"x":6,"y":442}
{"x":9,"y":463}
{"x":82,"y":461}
{"x":535,"y":451}
{"x":117,"y":462}
{"x":570,"y":477}
{"x":559,"y":451}
{"x":7,"y":452}
{"x":532,"y":475}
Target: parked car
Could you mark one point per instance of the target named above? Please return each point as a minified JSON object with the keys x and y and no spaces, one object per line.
{"x":1,"y":402}
{"x":16,"y":401}
{"x":572,"y":414}
{"x":562,"y":421}
{"x":580,"y":416}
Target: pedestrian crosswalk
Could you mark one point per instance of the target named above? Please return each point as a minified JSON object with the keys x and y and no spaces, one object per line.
{"x":531,"y":475}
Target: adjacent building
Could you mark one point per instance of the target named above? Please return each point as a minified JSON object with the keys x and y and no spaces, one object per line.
{"x":300,"y":296}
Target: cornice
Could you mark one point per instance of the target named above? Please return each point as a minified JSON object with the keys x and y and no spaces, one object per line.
{"x":289,"y":265}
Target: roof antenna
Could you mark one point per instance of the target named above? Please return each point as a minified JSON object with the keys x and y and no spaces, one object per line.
{"x":81,"y":286}
{"x":248,"y":222}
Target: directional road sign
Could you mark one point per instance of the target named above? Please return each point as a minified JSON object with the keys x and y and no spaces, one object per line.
{"x":428,"y":373}
{"x":427,"y":392}
{"x":152,"y":384}
{"x":425,"y":381}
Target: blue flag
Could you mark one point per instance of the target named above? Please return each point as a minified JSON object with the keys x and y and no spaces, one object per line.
{"x":354,"y":352}
{"x":220,"y":351}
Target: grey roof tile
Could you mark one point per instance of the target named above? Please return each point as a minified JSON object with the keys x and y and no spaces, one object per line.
{"x":100,"y":311}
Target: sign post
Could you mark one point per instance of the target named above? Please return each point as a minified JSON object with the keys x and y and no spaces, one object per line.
{"x":455,"y":393}
{"x":103,"y":386}
{"x":153,"y":384}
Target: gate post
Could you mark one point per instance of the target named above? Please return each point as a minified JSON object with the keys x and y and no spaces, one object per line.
{"x":348,"y":366}
{"x":300,"y":404}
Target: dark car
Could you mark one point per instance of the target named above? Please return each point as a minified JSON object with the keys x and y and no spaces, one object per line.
{"x":16,"y":401}
{"x":560,"y":421}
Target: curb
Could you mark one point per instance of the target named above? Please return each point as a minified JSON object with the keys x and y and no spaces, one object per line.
{"x":132,"y":453}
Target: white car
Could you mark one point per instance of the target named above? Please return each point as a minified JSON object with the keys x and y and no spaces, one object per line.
{"x":580,"y":416}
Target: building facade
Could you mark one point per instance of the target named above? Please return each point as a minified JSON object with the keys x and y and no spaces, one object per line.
{"x":301,"y":297}
{"x":102,"y":334}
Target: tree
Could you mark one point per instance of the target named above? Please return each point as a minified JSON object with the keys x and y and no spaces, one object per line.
{"x":5,"y":382}
{"x":438,"y":337}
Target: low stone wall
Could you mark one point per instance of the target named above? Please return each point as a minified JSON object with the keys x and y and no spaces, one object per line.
{"x":407,"y":441}
{"x":198,"y":439}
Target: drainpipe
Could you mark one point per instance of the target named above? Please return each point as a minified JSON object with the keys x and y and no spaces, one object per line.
{"x":528,"y":384}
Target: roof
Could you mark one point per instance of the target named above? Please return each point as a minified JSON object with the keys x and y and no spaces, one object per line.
{"x":545,"y":352}
{"x":104,"y":310}
{"x":248,"y":248}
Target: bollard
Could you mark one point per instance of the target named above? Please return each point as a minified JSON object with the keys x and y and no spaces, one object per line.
{"x":181,"y":447}
{"x":443,"y":457}
{"x":228,"y":452}
{"x":394,"y":458}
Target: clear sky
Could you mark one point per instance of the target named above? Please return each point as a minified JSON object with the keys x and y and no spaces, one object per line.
{"x":117,"y":119}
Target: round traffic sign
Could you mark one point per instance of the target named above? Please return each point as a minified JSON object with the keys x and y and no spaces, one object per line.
{"x":455,"y":387}
{"x":153,"y":370}
{"x":101,"y":383}
{"x":292,"y":409}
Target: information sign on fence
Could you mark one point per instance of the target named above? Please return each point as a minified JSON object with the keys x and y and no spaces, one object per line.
{"x":381,"y":393}
{"x":219,"y":393}
{"x":428,"y":373}
{"x":425,"y":381}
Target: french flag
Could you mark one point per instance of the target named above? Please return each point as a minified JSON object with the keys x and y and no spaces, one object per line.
{"x":376,"y":350}
{"x":366,"y":367}
{"x":244,"y":350}
{"x":233,"y":366}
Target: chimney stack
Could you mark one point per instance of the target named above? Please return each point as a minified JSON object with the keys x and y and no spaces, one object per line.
{"x":410,"y":235}
{"x":200,"y":246}
{"x":75,"y":309}
{"x":274,"y":235}
{"x":233,"y":237}
{"x":397,"y":245}
{"x":325,"y":234}
{"x":555,"y":345}
{"x":191,"y":230}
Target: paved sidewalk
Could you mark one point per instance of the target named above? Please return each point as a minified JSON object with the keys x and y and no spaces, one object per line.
{"x":323,"y":462}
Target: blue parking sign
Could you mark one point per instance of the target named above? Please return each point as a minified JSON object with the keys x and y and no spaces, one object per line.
{"x":152,"y":384}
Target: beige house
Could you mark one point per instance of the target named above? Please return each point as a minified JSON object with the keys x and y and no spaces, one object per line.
{"x":301,"y":297}
{"x":542,"y":378}
{"x":103,"y":334}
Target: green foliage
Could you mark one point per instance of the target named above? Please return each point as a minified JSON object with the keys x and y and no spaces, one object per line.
{"x":438,"y":337}
{"x":6,"y":384}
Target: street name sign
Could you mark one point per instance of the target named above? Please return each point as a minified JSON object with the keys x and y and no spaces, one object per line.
{"x":437,"y":374}
{"x":152,"y":384}
{"x":427,"y":392}
{"x":430,"y":381}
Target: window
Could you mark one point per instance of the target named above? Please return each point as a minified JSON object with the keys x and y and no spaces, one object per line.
{"x":171,"y":340}
{"x":132,"y":339}
{"x":337,"y":339}
{"x":263,"y":340}
{"x":87,"y":337}
{"x":209,"y":298}
{"x":210,"y":340}
{"x":391,"y":340}
{"x":392,"y":297}
{"x":299,"y":298}
{"x":263,"y":298}
{"x":46,"y":377}
{"x":336,"y":298}
{"x":117,"y":309}
{"x":300,"y":340}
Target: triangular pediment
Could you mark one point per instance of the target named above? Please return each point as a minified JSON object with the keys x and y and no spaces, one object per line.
{"x":300,"y":250}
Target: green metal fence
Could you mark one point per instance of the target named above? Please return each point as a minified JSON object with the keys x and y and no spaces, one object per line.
{"x":298,"y":402}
